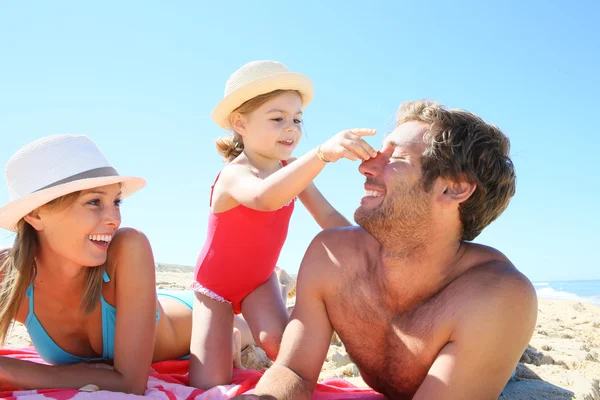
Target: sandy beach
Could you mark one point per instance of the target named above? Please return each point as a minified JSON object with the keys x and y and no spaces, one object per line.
{"x":561,"y":362}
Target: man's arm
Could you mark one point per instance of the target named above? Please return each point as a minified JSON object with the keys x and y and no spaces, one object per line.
{"x":306,"y":339}
{"x":485,"y":347}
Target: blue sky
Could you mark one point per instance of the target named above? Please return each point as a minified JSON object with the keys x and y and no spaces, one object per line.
{"x":141,"y":78}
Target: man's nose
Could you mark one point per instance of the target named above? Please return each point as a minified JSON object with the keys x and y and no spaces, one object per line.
{"x":372,"y":166}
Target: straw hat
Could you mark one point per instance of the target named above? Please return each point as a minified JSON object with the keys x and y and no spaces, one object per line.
{"x":54,"y":166}
{"x":254,"y":79}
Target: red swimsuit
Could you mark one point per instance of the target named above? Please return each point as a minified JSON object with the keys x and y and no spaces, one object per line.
{"x":241,"y":251}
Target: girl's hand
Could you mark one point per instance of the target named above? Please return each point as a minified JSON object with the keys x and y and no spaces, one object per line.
{"x":349,"y":144}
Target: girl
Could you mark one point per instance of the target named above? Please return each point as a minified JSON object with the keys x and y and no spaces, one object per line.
{"x":71,"y":268}
{"x":251,"y":203}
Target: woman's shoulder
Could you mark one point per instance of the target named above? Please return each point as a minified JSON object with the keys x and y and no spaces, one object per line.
{"x":125,"y":241}
{"x":127,"y":237}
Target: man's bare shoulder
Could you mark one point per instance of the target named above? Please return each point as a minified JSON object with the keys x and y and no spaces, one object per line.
{"x":488,"y":268}
{"x":495,"y":293}
{"x":335,"y":251}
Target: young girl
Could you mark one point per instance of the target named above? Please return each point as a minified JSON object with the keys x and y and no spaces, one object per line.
{"x":251,"y":203}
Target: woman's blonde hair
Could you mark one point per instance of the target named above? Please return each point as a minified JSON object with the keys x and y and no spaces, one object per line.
{"x":17,"y":271}
{"x":232,"y":145}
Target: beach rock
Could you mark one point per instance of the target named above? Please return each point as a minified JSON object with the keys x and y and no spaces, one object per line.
{"x":547,"y":360}
{"x":525,"y":373}
{"x":253,"y":357}
{"x":335,"y":339}
{"x":286,"y":280}
{"x":338,"y":356}
{"x":531,"y":356}
{"x":526,"y":389}
{"x":349,"y":370}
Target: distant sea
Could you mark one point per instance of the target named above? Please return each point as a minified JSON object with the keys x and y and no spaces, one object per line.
{"x":585,"y":291}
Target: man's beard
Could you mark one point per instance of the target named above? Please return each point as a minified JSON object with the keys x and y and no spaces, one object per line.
{"x":401,"y":222}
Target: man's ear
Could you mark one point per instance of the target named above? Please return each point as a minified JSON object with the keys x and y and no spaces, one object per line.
{"x":34,"y":219}
{"x":457,"y":192}
{"x":238,"y":122}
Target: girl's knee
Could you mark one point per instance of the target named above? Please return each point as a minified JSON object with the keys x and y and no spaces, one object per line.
{"x":270,"y":343}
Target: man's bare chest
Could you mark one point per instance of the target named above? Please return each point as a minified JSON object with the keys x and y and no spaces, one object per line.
{"x":392,"y":350}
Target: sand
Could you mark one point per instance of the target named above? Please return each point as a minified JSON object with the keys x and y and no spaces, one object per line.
{"x":561,"y":362}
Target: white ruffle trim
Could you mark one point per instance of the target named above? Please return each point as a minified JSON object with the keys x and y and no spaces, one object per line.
{"x":196,"y":287}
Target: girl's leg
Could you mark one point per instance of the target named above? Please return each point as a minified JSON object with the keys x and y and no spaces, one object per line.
{"x":266,"y":315}
{"x":211,"y":351}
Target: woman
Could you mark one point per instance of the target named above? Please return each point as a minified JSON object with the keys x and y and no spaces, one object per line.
{"x":71,"y":268}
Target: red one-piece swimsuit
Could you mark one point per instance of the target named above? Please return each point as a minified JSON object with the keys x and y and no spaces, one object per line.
{"x":241,"y":251}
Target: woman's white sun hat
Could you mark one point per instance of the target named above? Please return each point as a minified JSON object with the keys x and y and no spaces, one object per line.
{"x":254,"y":79}
{"x":54,"y":166}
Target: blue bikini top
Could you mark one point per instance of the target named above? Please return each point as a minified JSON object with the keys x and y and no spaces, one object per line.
{"x":50,"y":352}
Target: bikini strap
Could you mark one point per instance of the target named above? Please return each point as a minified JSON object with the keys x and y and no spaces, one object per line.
{"x":29,"y":293}
{"x":105,"y":277}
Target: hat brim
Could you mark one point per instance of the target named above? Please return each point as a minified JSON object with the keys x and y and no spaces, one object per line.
{"x":282,"y":81}
{"x":11,"y":213}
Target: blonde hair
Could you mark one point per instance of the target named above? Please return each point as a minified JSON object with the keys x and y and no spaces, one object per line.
{"x":17,"y":271}
{"x":232,"y":145}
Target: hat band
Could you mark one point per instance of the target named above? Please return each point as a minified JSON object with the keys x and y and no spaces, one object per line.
{"x":92,"y":173}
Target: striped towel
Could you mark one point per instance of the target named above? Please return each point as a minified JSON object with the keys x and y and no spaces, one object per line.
{"x":168,"y":380}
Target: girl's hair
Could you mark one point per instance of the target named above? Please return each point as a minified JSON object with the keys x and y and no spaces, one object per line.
{"x":232,"y":145}
{"x":17,"y":271}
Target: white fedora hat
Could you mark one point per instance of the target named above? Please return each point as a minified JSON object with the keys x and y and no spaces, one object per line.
{"x":254,"y":79}
{"x":54,"y":166}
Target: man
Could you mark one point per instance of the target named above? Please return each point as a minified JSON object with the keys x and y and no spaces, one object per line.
{"x":423,"y":313}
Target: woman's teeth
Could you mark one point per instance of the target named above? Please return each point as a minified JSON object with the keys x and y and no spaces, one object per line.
{"x":373,"y":193}
{"x":100,"y":238}
{"x":287,"y":141}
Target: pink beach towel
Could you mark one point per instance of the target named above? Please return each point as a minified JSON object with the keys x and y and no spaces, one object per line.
{"x":168,"y":381}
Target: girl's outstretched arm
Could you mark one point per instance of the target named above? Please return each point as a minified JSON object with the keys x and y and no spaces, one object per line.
{"x":273,"y":192}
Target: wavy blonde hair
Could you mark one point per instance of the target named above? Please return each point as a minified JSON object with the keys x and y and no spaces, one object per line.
{"x":232,"y":145}
{"x":17,"y":271}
